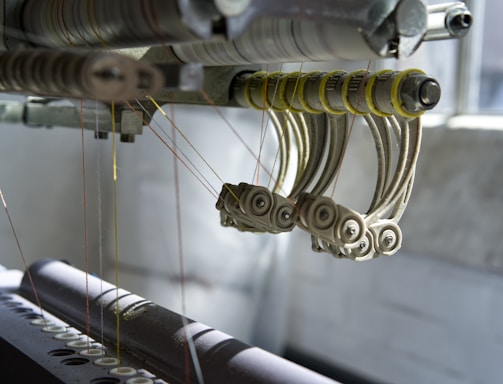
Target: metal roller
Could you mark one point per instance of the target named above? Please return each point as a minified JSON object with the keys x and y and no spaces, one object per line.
{"x":406,"y":93}
{"x":101,"y":76}
{"x":239,"y":32}
{"x":112,"y":23}
{"x":154,"y":336}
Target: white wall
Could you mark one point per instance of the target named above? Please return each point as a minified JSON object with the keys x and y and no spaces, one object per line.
{"x":434,"y":312}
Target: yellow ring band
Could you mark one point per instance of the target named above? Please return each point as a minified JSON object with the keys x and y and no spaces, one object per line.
{"x":368,"y":93}
{"x":395,"y":99}
{"x":323,"y":96}
{"x":301,"y":97}
{"x":295,"y":90}
{"x":345,"y":88}
{"x":272,"y":104}
{"x":247,"y":90}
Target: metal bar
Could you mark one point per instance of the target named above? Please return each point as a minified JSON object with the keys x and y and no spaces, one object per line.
{"x":469,"y":63}
{"x":111,"y":23}
{"x":103,"y":76}
{"x":156,"y":335}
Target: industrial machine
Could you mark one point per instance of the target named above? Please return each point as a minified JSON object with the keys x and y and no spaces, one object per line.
{"x":117,"y":62}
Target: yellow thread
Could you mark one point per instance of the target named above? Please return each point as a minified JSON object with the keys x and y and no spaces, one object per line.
{"x":302,"y":100}
{"x":159,"y":108}
{"x":369,"y":97}
{"x":114,"y":148}
{"x":395,"y":99}
{"x":322,"y":93}
{"x":114,"y":161}
{"x":345,"y":93}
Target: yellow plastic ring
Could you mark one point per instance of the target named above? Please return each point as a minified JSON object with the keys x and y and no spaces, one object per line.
{"x":395,"y":100}
{"x":247,"y":90}
{"x":282,"y":90}
{"x":285,"y":81}
{"x":302,"y":99}
{"x":368,"y":93}
{"x":345,"y":88}
{"x":277,"y":94}
{"x":321,"y":93}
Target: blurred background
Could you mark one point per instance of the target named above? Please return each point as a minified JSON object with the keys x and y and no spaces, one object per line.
{"x":432,"y":313}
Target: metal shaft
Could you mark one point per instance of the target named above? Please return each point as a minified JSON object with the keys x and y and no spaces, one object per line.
{"x":259,"y":32}
{"x":156,"y":335}
{"x":111,"y":23}
{"x":407,"y":93}
{"x":98,"y":75}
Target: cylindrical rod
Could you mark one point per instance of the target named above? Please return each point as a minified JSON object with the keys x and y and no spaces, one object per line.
{"x":154,"y":334}
{"x":111,"y":23}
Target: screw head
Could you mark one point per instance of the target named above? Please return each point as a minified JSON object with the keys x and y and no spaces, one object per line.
{"x":284,"y":218}
{"x":260,"y":203}
{"x":388,"y":238}
{"x":429,"y":93}
{"x":458,"y":21}
{"x":323,"y":214}
{"x":350,"y":230}
{"x":462,"y":21}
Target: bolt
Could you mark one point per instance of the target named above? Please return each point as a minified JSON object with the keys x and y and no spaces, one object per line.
{"x":260,"y":203}
{"x":429,"y":93}
{"x":462,"y":21}
{"x":458,"y":21}
{"x":286,"y":215}
{"x":388,"y":238}
{"x":324,"y":215}
{"x":419,"y":92}
{"x":351,"y":229}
